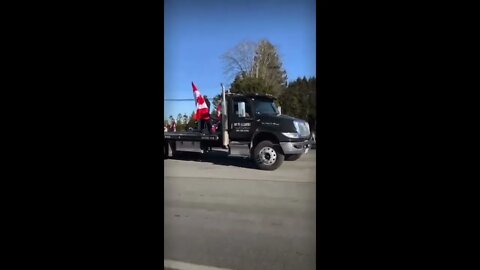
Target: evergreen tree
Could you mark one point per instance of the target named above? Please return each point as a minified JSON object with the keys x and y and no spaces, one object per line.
{"x":268,"y":66}
{"x":299,"y":100}
{"x":250,"y":85}
{"x":179,"y":119}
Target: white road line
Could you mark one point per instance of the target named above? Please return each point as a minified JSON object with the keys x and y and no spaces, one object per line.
{"x":188,"y":266}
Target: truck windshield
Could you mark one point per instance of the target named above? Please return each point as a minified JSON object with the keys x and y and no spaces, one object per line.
{"x":265,"y":106}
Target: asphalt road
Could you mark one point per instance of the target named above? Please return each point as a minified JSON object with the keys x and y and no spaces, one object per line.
{"x":222,"y":213}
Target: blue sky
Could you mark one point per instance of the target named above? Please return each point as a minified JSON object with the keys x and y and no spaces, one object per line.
{"x":198,"y":33}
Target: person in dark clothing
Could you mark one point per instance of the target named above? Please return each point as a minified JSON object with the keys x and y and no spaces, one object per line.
{"x":206,"y":124}
{"x":207,"y":102}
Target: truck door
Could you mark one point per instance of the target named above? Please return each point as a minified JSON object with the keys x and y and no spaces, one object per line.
{"x":241,"y":121}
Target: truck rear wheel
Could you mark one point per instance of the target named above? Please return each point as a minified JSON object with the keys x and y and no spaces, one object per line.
{"x":165,"y":150}
{"x":292,"y":157}
{"x":267,"y":156}
{"x":169,"y":150}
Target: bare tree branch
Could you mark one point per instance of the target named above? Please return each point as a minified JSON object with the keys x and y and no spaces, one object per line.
{"x":240,"y":59}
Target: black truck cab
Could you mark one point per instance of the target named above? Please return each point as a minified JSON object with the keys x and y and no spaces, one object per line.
{"x":256,"y":117}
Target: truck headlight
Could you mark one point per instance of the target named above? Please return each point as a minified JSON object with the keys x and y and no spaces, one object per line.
{"x":302,"y":127}
{"x":297,"y":126}
{"x":292,"y":135}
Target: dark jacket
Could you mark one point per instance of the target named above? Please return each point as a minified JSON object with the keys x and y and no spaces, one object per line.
{"x":208,"y":103}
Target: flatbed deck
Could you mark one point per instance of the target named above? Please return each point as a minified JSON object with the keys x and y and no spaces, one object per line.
{"x":191,"y":136}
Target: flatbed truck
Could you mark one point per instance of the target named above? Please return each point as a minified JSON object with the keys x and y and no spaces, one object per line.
{"x":251,"y":126}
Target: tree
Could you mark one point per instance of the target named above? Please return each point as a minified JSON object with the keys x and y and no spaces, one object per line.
{"x":240,"y":59}
{"x":259,"y":64}
{"x":250,"y":85}
{"x":179,"y":119}
{"x":268,"y":66}
{"x":299,"y":100}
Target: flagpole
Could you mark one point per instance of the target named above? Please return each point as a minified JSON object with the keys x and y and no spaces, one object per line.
{"x":194,"y":97}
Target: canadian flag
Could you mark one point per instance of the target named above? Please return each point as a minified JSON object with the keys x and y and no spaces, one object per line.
{"x":202,"y":109}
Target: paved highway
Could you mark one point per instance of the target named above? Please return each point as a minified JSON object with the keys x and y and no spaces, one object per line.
{"x":222,"y":213}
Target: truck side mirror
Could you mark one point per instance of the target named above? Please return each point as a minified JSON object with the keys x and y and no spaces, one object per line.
{"x":279,"y":109}
{"x":241,"y":109}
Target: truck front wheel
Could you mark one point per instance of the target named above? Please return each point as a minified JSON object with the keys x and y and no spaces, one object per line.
{"x":267,"y":156}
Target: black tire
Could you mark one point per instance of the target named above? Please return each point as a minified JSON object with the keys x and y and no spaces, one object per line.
{"x":292,"y":157}
{"x":268,"y":156}
{"x":169,"y":149}
{"x":165,"y":151}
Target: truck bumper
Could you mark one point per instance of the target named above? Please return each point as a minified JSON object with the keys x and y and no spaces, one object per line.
{"x":292,"y":148}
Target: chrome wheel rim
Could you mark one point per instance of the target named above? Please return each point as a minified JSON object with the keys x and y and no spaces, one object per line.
{"x":267,"y":156}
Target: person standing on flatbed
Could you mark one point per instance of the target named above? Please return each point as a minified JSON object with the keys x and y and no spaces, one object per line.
{"x":207,"y":124}
{"x":207,"y":102}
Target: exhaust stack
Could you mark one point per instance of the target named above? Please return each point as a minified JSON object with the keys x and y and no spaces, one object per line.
{"x":226,"y":139}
